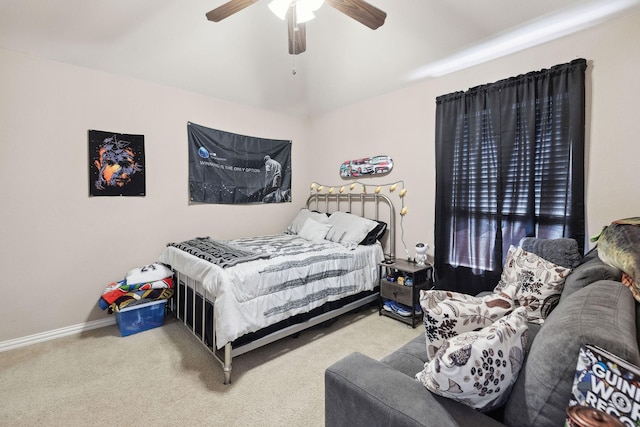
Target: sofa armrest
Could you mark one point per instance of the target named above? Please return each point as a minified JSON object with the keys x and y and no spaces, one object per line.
{"x":362,"y":391}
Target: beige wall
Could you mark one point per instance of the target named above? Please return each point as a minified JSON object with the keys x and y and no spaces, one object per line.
{"x":60,"y":248}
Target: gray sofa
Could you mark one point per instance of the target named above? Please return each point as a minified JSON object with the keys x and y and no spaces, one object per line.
{"x":594,"y":308}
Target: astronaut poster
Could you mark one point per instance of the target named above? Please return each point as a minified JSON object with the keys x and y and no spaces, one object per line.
{"x":227,"y":168}
{"x":116,"y":164}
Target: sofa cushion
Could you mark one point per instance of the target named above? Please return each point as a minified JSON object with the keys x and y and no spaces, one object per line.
{"x":361,"y":391}
{"x":591,"y":270}
{"x":478,"y":368}
{"x":410,"y":358}
{"x":602,"y":314}
{"x":562,"y":251}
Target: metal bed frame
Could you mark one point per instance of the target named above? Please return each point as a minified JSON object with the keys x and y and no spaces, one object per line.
{"x":369,"y":204}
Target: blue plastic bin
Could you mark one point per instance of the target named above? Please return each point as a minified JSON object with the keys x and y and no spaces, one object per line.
{"x":140,"y":317}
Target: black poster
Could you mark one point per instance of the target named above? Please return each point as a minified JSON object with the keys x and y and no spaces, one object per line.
{"x":116,"y":164}
{"x":226,"y":168}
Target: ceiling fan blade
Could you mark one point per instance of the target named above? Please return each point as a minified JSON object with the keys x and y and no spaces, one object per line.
{"x":228,"y":9}
{"x":297,"y":33}
{"x":361,"y":11}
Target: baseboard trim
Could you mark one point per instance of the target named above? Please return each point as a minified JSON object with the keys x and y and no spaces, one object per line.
{"x":56,"y":333}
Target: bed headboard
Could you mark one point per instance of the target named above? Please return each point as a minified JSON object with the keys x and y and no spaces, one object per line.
{"x":372,"y":206}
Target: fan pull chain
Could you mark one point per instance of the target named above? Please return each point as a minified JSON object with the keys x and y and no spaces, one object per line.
{"x":295,"y":38}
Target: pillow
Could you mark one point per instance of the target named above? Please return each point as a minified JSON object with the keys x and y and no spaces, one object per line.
{"x":301,"y":217}
{"x":313,"y":230}
{"x":508,"y":284}
{"x":447,"y":314}
{"x":619,"y":247}
{"x":479,"y":368}
{"x":532,"y":282}
{"x":348,"y":229}
{"x":562,"y":251}
{"x":376,"y":234}
{"x":540,"y":284}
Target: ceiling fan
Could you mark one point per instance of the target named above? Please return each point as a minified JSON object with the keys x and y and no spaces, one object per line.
{"x":296,"y":15}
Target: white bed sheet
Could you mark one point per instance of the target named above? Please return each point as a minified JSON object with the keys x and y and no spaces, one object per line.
{"x":255,"y":294}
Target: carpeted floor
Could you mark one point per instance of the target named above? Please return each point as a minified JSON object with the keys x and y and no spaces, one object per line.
{"x":165,"y":376}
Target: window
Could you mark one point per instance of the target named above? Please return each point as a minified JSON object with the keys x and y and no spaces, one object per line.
{"x":509,"y":164}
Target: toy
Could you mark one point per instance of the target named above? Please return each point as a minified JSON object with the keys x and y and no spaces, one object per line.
{"x":421,"y":253}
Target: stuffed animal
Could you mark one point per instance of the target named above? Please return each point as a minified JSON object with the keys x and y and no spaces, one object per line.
{"x":619,"y":247}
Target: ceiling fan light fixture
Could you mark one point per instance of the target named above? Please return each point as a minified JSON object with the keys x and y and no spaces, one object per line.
{"x":303,"y":15}
{"x":311,"y":5}
{"x":304,"y":9}
{"x":280,"y":8}
{"x":298,"y":12}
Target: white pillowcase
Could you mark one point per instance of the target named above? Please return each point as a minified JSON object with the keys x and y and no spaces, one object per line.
{"x":348,"y":229}
{"x":478,"y":368}
{"x":301,"y":217}
{"x":313,"y":230}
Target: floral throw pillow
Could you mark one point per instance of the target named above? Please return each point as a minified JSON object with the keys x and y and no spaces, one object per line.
{"x":532,"y":282}
{"x":447,"y":314}
{"x":508,"y":284}
{"x":478,"y":368}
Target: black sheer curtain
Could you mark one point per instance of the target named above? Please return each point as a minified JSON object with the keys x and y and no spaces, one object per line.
{"x":509,"y":164}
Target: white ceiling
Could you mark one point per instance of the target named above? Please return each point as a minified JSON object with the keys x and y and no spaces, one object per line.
{"x":245,"y":59}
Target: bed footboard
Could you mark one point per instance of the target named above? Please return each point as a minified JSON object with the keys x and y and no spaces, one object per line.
{"x":192,"y":305}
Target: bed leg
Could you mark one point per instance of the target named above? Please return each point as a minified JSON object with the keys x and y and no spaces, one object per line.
{"x":226,"y":367}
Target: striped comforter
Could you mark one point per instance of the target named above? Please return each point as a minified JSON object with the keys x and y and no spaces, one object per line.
{"x":298,"y":276}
